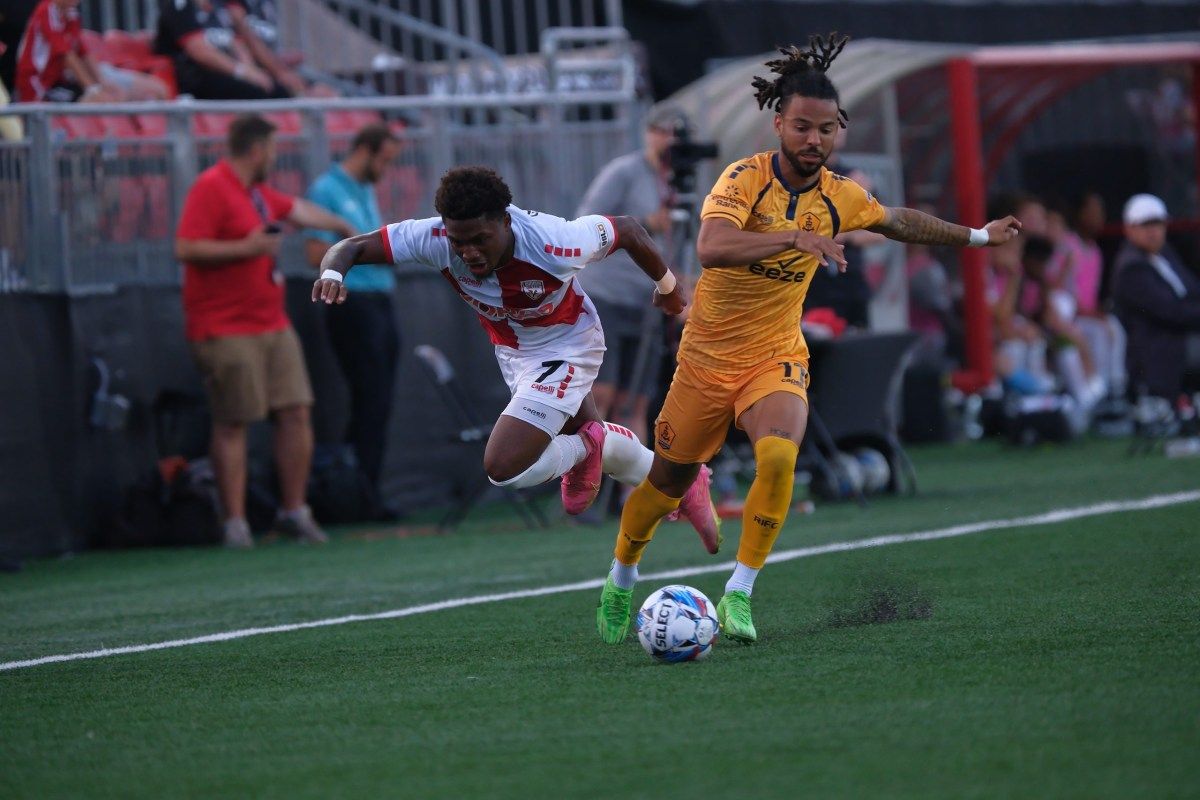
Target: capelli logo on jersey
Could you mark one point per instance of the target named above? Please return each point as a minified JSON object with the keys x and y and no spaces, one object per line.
{"x":468,"y":280}
{"x":603,"y":234}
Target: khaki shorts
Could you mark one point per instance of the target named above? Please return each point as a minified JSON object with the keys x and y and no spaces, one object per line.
{"x":701,"y":403}
{"x":246,"y":377}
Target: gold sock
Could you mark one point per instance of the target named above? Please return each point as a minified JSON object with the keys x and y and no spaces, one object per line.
{"x":769,"y":498}
{"x":640,"y":516}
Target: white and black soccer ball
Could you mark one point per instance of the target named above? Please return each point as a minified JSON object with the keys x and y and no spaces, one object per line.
{"x":876,"y":471}
{"x":677,"y":623}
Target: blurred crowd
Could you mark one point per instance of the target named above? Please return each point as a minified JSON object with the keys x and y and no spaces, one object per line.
{"x":206,"y":49}
{"x":1109,"y":333}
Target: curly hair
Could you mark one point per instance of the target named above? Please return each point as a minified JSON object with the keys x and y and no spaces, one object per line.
{"x":802,"y":72}
{"x":470,"y":192}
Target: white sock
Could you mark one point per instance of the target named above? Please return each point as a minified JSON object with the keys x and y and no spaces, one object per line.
{"x":563,"y":452}
{"x":742,"y":579}
{"x":625,"y":458}
{"x":625,"y":577}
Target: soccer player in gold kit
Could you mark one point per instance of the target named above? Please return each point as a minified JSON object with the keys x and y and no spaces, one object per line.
{"x":765,"y":228}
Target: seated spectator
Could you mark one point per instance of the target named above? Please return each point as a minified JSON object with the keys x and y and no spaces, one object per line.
{"x":1156,"y":298}
{"x":1053,"y":310}
{"x":53,"y":64}
{"x":1079,"y":268}
{"x":1020,"y":356}
{"x":211,"y":62}
{"x":255,"y":22}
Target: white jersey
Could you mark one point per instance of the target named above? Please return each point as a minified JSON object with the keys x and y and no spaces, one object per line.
{"x":531,"y":304}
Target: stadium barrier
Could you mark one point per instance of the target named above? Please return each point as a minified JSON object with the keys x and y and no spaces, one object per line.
{"x":91,"y":194}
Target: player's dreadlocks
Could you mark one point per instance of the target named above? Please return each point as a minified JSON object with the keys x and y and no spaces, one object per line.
{"x":470,"y":192}
{"x":802,"y":72}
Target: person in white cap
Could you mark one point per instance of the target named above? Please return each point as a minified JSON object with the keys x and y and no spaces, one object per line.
{"x":1157,"y":299}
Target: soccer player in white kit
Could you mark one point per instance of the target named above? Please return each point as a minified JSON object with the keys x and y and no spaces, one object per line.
{"x":516,"y":268}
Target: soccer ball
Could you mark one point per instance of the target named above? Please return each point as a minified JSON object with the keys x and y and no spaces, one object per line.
{"x":875,"y":469}
{"x":677,"y":623}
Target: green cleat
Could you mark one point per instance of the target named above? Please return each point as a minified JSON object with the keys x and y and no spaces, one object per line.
{"x":612,"y":615}
{"x":733,"y":612}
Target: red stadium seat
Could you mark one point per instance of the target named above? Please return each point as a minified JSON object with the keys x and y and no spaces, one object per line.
{"x":287,"y":122}
{"x":349,"y":122}
{"x":97,"y":47}
{"x":130,"y":48}
{"x":132,"y":51}
{"x":81,"y":127}
{"x":121,"y":126}
{"x":151,"y":124}
{"x":211,"y":123}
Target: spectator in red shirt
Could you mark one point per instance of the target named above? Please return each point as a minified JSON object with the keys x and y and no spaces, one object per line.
{"x":233,"y":302}
{"x":53,"y":64}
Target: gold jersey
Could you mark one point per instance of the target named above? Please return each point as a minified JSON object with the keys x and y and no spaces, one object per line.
{"x":742,"y":316}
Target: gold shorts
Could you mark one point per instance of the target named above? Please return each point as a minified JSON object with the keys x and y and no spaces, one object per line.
{"x":701,"y":403}
{"x":245,"y":377}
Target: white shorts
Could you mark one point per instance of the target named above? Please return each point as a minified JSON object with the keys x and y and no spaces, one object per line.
{"x":547,"y":389}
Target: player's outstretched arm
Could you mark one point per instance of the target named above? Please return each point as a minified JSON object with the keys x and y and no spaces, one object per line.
{"x":917,"y":227}
{"x":635,"y":240}
{"x":366,"y":248}
{"x":721,"y":243}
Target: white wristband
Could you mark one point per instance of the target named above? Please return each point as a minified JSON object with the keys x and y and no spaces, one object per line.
{"x":666,"y":284}
{"x":979,"y":238}
{"x":331,"y":275}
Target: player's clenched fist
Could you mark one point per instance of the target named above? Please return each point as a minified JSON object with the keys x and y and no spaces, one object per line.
{"x":329,"y":290}
{"x":673,"y":302}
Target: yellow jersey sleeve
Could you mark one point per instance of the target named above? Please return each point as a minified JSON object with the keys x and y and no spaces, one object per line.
{"x":858,"y":208}
{"x":734,"y":192}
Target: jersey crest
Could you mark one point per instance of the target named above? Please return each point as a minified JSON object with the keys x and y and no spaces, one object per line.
{"x":533,"y":289}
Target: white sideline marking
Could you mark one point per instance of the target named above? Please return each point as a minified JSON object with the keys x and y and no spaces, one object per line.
{"x":1048,"y":518}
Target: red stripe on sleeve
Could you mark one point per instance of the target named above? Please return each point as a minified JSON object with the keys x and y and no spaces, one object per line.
{"x":387,"y":244}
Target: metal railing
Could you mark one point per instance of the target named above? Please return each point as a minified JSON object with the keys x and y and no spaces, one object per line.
{"x":467,"y":38}
{"x":90,"y":196}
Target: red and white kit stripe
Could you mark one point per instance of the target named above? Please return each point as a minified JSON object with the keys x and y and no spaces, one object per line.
{"x":532,"y":303}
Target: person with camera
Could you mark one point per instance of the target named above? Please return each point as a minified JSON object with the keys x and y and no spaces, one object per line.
{"x":238,"y":329}
{"x":638,"y":185}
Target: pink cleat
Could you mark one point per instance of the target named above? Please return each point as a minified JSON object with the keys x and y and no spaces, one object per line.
{"x":581,"y":483}
{"x":697,"y":508}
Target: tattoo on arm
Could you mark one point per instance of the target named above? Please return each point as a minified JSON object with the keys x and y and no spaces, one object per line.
{"x":917,"y":227}
{"x":781,"y":433}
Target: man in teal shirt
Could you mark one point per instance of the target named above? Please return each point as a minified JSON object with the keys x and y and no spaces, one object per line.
{"x":363,"y":330}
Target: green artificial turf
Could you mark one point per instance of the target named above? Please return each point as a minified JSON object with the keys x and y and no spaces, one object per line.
{"x":1054,"y":660}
